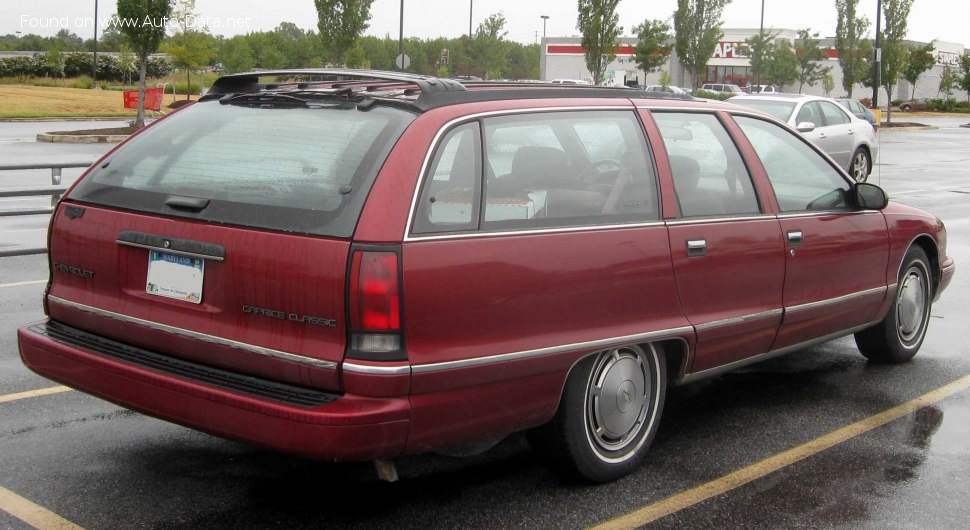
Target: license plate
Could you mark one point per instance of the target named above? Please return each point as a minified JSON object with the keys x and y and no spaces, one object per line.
{"x":177,"y":277}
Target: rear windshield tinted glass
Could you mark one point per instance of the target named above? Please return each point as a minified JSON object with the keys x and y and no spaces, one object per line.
{"x":304,"y":170}
{"x":779,"y":109}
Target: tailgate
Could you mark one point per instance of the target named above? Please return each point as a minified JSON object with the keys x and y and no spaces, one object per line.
{"x":271,"y":304}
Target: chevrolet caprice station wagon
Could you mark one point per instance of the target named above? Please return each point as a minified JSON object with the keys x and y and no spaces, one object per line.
{"x":359,"y":265}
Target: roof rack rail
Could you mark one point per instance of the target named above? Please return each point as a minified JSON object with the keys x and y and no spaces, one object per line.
{"x":249,"y":81}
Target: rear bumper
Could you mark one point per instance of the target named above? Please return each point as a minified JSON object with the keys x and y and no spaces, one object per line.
{"x":947,"y":269}
{"x":289,"y":419}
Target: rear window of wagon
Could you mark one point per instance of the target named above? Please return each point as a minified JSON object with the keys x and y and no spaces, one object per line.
{"x":302,"y":170}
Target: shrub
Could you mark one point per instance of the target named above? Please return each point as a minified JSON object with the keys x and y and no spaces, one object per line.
{"x":942,"y":105}
{"x":712,"y":95}
{"x":181,"y":88}
{"x":896,"y":102}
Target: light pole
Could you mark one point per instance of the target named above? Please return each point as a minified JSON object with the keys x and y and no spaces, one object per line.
{"x":400,"y":41}
{"x":544,"y":19}
{"x":471,"y":5}
{"x":877,"y":60}
{"x":95,"y":73}
{"x":761,"y":37}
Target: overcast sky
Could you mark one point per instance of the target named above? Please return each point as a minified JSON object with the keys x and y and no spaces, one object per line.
{"x":946,"y":20}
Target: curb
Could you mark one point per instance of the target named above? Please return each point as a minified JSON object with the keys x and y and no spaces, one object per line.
{"x":81,"y":138}
{"x":73,"y":118}
{"x":904,"y":129}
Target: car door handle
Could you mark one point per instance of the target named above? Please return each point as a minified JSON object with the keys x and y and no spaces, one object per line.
{"x":696,"y":247}
{"x":795,"y":238}
{"x":851,"y":133}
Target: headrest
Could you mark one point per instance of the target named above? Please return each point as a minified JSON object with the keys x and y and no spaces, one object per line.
{"x":686,"y":172}
{"x":539,"y":165}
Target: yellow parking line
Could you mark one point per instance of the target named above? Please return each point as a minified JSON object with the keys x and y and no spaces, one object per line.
{"x":19,"y":284}
{"x":34,"y":393}
{"x":688,"y":498}
{"x":32,"y":513}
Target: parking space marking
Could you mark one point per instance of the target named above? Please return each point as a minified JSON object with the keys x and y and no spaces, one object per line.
{"x":736,"y":479}
{"x":20,"y":284}
{"x":32,"y":513}
{"x":34,"y":393}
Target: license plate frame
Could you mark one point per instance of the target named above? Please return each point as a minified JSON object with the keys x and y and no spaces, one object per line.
{"x":174,"y":276}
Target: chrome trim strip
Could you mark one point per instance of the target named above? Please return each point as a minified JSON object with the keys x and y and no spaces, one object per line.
{"x":677,"y":222}
{"x":471,"y":117}
{"x":376,"y":370}
{"x":170,"y":251}
{"x":836,"y":300}
{"x":528,"y":354}
{"x":821,"y":213}
{"x":717,"y":370}
{"x":534,"y":231}
{"x":737,"y":320}
{"x":259,"y":350}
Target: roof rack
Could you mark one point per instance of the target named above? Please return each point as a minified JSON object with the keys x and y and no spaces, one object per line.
{"x":249,"y":81}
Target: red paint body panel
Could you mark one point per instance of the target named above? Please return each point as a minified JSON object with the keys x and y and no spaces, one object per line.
{"x":351,"y":428}
{"x":259,"y":270}
{"x":842,"y":254}
{"x":742,"y":274}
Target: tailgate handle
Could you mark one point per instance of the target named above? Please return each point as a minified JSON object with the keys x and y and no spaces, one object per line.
{"x":172,"y":245}
{"x":186,"y":203}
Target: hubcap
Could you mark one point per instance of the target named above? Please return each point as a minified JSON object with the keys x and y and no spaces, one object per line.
{"x":911,"y":305}
{"x":860,"y":167}
{"x":618,"y":398}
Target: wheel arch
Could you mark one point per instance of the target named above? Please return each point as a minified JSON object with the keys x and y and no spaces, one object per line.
{"x":928,"y":244}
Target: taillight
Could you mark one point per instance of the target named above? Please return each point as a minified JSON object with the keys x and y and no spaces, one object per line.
{"x":375,"y":306}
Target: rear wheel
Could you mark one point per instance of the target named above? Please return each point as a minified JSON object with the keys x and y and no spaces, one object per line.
{"x":905,"y":108}
{"x":861,"y":165}
{"x":898,"y":337}
{"x":608,"y":414}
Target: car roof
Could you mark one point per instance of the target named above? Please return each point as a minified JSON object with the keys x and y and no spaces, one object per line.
{"x":413,"y":91}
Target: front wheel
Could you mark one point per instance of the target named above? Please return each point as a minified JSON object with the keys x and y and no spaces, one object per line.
{"x":861,"y":165}
{"x":608,"y":415}
{"x":900,"y":334}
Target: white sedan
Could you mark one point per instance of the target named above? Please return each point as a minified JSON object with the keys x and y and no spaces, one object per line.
{"x":850,"y":141}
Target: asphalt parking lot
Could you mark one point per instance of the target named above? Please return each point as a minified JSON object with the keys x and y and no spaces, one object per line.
{"x":817,"y":439}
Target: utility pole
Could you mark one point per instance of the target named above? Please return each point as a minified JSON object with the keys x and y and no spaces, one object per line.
{"x":400,"y":41}
{"x":761,"y":36}
{"x":95,"y":73}
{"x":544,"y":19}
{"x":877,"y":60}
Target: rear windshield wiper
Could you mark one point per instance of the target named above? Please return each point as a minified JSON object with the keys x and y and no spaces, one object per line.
{"x":264,"y":100}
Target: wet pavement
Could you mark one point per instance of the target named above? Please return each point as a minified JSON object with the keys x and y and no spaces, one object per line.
{"x":101,"y":466}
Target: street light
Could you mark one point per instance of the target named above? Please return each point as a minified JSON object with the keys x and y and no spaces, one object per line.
{"x":544,"y":19}
{"x":95,"y":76}
{"x":877,"y":60}
{"x":471,"y":5}
{"x":761,"y":36}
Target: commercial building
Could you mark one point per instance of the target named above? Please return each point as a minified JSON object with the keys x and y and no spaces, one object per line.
{"x":563,"y":58}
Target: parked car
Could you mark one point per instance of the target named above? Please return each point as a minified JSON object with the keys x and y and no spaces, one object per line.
{"x":361,"y":265}
{"x":669,"y":88}
{"x":722,"y":88}
{"x":859,"y":111}
{"x":851,"y":142}
{"x":915,"y":104}
{"x":570,"y":82}
{"x":762,"y":89}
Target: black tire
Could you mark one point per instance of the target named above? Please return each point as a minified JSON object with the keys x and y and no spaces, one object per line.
{"x":898,"y":337}
{"x":905,"y":108}
{"x":599,"y":439}
{"x":860,"y":166}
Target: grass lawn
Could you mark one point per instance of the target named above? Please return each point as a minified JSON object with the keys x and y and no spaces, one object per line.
{"x":23,"y":101}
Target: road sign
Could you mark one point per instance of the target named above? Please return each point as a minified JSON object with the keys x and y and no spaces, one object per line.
{"x":403,"y":61}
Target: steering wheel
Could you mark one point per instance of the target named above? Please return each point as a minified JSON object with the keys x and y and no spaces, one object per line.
{"x":607,"y":169}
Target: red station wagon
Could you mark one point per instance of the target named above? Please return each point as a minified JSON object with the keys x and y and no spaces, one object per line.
{"x":357,"y":265}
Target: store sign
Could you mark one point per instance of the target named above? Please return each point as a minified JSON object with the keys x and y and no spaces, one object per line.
{"x":729,"y":50}
{"x":947,"y":58}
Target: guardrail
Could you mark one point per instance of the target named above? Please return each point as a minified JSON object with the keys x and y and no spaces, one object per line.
{"x":54,"y":191}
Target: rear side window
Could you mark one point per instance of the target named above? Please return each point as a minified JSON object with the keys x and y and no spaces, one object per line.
{"x":710,"y":177}
{"x":801,"y":178}
{"x":542,"y":170}
{"x":833,"y":115}
{"x":304,"y":170}
{"x":810,"y":113}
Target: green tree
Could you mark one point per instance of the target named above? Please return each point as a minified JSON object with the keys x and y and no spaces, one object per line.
{"x":808,"y":54}
{"x":664,"y":79}
{"x":919,"y":59}
{"x":893,"y":50}
{"x":828,"y":84}
{"x":759,"y":49}
{"x":144,"y":28}
{"x":697,"y":29}
{"x":781,"y":69}
{"x":964,"y":80}
{"x":850,"y":45}
{"x":652,"y":49}
{"x":948,"y":82}
{"x":127,"y":63}
{"x":236,"y":55}
{"x":597,"y":22}
{"x":341,"y":22}
{"x":489,"y":47}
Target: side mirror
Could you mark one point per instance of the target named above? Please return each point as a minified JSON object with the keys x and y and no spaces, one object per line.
{"x":805,"y":127}
{"x":869,"y":196}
